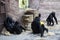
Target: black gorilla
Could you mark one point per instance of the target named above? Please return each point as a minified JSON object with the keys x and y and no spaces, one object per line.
{"x":18,"y":28}
{"x":37,"y":27}
{"x":50,"y":21}
{"x":44,"y":29}
{"x":12,"y":26}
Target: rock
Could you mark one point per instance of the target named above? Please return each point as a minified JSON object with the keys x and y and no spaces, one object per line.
{"x":40,"y":38}
{"x":50,"y":33}
{"x":5,"y":32}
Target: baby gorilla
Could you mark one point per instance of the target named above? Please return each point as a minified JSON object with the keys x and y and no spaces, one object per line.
{"x":12,"y":26}
{"x":50,"y":21}
{"x":44,"y":29}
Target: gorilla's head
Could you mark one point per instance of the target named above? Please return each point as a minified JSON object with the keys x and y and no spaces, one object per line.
{"x":39,"y":15}
{"x":53,"y":13}
{"x":9,"y":19}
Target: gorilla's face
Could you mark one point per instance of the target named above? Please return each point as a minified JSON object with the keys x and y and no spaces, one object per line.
{"x":53,"y":13}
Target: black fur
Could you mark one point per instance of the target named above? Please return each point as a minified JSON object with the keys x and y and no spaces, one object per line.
{"x":50,"y":21}
{"x":12,"y":26}
{"x":37,"y":27}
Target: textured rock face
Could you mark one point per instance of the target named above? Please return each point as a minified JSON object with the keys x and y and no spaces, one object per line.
{"x":13,"y":9}
{"x":2,"y":14}
{"x":46,"y":6}
{"x":34,"y":4}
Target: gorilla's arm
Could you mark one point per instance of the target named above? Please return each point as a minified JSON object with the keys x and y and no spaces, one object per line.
{"x":55,"y":19}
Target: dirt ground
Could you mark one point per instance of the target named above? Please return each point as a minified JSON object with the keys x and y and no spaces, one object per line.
{"x":27,"y":35}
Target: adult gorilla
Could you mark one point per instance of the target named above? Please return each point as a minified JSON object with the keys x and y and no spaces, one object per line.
{"x":50,"y":21}
{"x":37,"y":27}
{"x":12,"y":26}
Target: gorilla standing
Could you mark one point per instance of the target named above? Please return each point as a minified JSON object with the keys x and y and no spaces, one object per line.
{"x":50,"y":21}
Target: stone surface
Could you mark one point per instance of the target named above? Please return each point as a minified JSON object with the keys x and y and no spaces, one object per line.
{"x":27,"y":35}
{"x":45,"y":7}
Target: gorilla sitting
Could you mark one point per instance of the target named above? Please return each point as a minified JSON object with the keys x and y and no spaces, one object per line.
{"x":12,"y":26}
{"x":18,"y":28}
{"x":50,"y":21}
{"x":37,"y":27}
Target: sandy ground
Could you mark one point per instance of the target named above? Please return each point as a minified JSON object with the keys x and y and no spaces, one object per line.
{"x":27,"y":35}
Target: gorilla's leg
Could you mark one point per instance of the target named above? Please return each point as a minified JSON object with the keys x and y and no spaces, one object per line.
{"x":48,"y":23}
{"x":52,"y":23}
{"x":45,"y":29}
{"x":10,"y":30}
{"x":17,"y":29}
{"x":41,"y":31}
{"x":42,"y":34}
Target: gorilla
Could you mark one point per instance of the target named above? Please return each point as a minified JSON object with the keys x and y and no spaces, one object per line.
{"x":50,"y":21}
{"x":44,"y":29}
{"x":37,"y":27}
{"x":12,"y":26}
{"x":18,"y":28}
